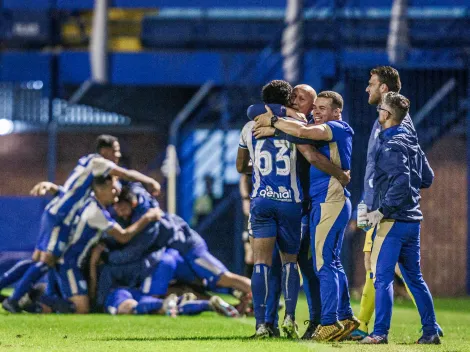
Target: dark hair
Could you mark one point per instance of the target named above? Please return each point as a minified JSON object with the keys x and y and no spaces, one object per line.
{"x":277,"y":92}
{"x":389,"y":76}
{"x":127,"y":195}
{"x":399,"y":104}
{"x":105,"y":141}
{"x":100,"y":181}
{"x":336,"y":98}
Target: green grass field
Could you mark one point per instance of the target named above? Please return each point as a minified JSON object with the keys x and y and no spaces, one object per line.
{"x":210,"y":332}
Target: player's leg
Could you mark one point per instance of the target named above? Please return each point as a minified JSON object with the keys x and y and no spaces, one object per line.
{"x":367,"y":304}
{"x":264,"y":227}
{"x":289,"y":217}
{"x":158,"y":280}
{"x":51,"y":246}
{"x":325,"y":232}
{"x":120,"y":301}
{"x":345,"y":312}
{"x":74,"y":287}
{"x":384,"y":257}
{"x":272,"y":305}
{"x":311,"y":284}
{"x":410,"y":262}
{"x":15,"y":273}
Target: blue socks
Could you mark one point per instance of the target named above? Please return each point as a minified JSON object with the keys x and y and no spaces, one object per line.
{"x":194,"y":307}
{"x":260,"y":290}
{"x":148,"y":305}
{"x":275,"y":278}
{"x":15,"y":273}
{"x":290,"y":287}
{"x":31,"y":276}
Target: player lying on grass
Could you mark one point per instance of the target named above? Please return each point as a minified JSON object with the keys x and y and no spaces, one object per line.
{"x":132,"y":301}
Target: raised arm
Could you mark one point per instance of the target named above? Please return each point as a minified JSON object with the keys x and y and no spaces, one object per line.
{"x":135,"y":176}
{"x":294,"y":128}
{"x":41,"y":188}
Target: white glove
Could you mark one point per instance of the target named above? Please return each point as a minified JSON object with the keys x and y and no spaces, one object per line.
{"x":373,"y":218}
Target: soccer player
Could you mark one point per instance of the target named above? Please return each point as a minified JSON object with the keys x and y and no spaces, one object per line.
{"x":57,"y":218}
{"x":302,"y":101}
{"x":383,"y":79}
{"x":89,"y":224}
{"x":400,"y":170}
{"x":330,"y":209}
{"x":275,"y":212}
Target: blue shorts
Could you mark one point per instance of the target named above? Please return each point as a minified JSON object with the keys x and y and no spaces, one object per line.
{"x":71,"y":281}
{"x":171,"y":266}
{"x":118,"y":296}
{"x":270,"y":218}
{"x":53,"y":235}
{"x":205,"y":265}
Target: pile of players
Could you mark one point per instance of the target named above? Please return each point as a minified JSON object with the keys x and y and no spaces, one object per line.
{"x":105,"y":245}
{"x":300,"y":208}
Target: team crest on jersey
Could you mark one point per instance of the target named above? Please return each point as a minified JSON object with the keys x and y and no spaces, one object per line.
{"x":283,"y":194}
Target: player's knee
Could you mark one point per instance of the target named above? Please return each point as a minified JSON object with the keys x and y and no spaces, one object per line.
{"x":81,"y":303}
{"x":36,"y":255}
{"x":288,"y":258}
{"x":48,"y":259}
{"x":127,"y":307}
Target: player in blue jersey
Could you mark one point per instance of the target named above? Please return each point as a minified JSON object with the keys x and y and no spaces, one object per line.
{"x":59,"y":213}
{"x":89,"y":224}
{"x":330,"y":209}
{"x":303,"y":99}
{"x":275,"y":212}
{"x":401,"y":170}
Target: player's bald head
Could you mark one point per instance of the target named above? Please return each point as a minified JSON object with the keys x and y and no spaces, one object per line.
{"x":303,"y":98}
{"x":307,"y":89}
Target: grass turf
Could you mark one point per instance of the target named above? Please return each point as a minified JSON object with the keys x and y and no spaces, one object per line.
{"x":209,"y":332}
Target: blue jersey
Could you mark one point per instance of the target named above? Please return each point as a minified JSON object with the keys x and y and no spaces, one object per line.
{"x":372,"y":148}
{"x":77,"y":188}
{"x":275,"y":174}
{"x":323,"y":187}
{"x":88,"y":226}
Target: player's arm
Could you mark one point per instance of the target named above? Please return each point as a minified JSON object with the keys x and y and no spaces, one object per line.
{"x":243,"y":161}
{"x":135,"y":176}
{"x":394,"y":163}
{"x":427,"y":173}
{"x":263,"y":132}
{"x":41,"y":188}
{"x":322,"y":163}
{"x":125,"y":235}
{"x":294,"y":128}
{"x":245,"y":190}
{"x":94,"y":261}
{"x":243,"y":155}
